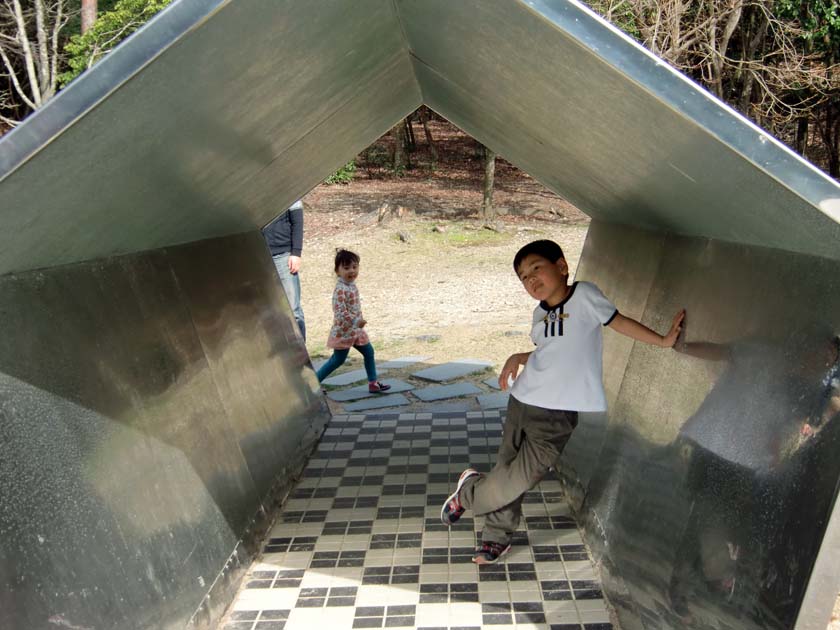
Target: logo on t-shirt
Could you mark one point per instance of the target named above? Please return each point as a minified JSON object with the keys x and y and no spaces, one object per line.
{"x":554,"y":321}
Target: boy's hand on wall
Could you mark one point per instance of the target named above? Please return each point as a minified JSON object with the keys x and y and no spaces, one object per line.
{"x":670,"y":339}
{"x":511,"y":368}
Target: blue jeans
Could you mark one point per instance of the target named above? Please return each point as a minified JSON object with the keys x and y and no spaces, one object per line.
{"x":340,"y":356}
{"x":291,"y":286}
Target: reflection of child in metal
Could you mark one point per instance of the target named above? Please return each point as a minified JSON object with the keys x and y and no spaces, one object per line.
{"x":739,"y":447}
{"x":829,"y":404}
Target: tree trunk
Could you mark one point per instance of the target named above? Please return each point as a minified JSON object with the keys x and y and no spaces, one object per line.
{"x":831,"y":137}
{"x":754,"y":49}
{"x":398,"y":133}
{"x":89,"y":8}
{"x":487,"y":209}
{"x":424,"y":118}
{"x":409,"y":134}
{"x":800,"y":143}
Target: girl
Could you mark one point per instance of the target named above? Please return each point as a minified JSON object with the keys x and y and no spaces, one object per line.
{"x":347,"y":330}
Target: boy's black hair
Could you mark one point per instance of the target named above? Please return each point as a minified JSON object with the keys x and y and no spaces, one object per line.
{"x":345,"y":258}
{"x":549,"y":250}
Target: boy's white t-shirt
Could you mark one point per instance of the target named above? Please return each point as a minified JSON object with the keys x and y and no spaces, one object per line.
{"x":565,"y":370}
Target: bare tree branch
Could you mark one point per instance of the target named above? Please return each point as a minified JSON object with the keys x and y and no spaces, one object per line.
{"x":10,"y":70}
{"x":31,"y":52}
{"x":28,"y":57}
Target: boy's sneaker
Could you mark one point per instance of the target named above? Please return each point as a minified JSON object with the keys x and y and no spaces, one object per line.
{"x":452,"y":508}
{"x":376,"y":387}
{"x":489,"y":552}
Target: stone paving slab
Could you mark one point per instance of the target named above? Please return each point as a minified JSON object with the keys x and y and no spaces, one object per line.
{"x":439,"y":392}
{"x":447,"y":407}
{"x":492,"y":382}
{"x":353,"y":376}
{"x":401,"y":362}
{"x":496,"y":400}
{"x":361,"y":391}
{"x":453,"y":369}
{"x":379,"y":402}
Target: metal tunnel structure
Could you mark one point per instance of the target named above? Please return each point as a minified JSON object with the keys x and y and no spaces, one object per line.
{"x":154,"y":400}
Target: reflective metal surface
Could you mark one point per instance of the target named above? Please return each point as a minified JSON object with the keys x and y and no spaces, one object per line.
{"x":709,"y":486}
{"x":150,"y":406}
{"x":201,"y":128}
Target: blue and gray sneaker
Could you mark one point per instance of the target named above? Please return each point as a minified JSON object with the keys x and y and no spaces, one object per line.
{"x":452,"y":508}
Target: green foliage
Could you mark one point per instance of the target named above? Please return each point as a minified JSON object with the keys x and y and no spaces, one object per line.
{"x":344,"y":175}
{"x":819,"y":20}
{"x":110,"y":28}
{"x":621,"y":15}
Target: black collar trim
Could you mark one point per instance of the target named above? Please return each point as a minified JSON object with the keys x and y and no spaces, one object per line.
{"x":544,"y":305}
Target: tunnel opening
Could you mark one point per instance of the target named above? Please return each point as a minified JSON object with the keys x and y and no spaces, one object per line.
{"x":156,"y":400}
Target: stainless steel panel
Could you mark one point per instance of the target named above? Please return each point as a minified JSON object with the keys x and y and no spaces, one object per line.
{"x":606,"y":124}
{"x":236,"y":116}
{"x":148,"y":404}
{"x":633,"y":268}
{"x":707,"y":501}
{"x":248,"y":338}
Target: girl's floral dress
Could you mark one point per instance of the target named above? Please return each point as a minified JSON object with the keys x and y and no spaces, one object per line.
{"x":347,"y":307}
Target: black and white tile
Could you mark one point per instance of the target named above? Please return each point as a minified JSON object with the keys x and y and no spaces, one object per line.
{"x":359,"y":543}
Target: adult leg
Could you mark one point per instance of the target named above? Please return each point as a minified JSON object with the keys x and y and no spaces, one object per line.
{"x":538,"y":439}
{"x":291,"y":287}
{"x":370,"y":364}
{"x":333,"y":363}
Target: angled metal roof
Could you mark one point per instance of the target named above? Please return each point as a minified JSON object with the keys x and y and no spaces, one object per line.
{"x":217,"y":114}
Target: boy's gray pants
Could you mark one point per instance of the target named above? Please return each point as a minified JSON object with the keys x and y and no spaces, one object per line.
{"x":533,"y":438}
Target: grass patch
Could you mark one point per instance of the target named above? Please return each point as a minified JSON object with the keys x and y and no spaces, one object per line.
{"x":462,"y":235}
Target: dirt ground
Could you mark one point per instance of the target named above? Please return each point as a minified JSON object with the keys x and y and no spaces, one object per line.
{"x":444,"y":295}
{"x":433,"y":283}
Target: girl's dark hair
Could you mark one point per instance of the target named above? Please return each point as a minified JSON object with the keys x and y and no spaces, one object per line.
{"x":345,"y":258}
{"x":549,"y":250}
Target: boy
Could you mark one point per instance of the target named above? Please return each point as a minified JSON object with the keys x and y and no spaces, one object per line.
{"x":560,"y":378}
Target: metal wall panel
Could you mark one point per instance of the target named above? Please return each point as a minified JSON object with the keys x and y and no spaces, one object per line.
{"x":632,"y":271}
{"x":703,"y":495}
{"x":239,"y":115}
{"x":148,"y":405}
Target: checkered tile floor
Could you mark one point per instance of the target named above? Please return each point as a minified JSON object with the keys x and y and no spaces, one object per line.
{"x":360,"y":543}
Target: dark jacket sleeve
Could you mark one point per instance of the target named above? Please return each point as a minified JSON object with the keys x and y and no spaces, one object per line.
{"x":296,"y":223}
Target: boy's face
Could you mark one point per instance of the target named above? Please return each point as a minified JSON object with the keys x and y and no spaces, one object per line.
{"x":349,"y":272}
{"x":544,"y":280}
